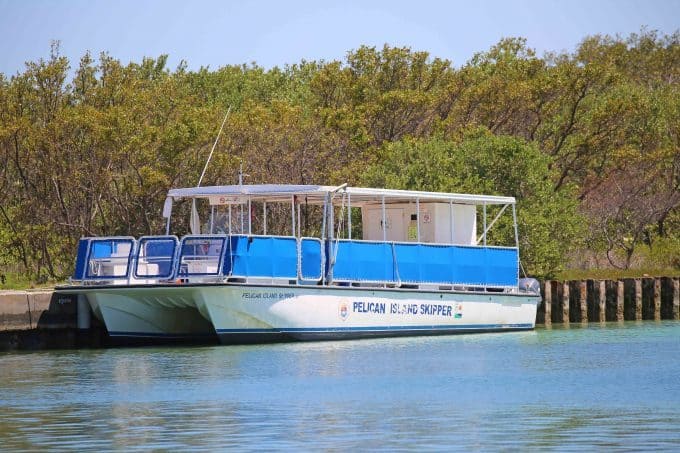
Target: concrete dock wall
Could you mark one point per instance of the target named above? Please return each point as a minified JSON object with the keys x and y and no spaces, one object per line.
{"x":631,"y":299}
{"x":43,"y":320}
{"x":24,"y":310}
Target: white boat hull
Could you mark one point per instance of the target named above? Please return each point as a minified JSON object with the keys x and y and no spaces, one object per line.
{"x":156,"y":315}
{"x":269,"y":313}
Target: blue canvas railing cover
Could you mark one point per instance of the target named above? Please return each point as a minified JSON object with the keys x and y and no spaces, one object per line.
{"x":261,"y":256}
{"x":422,"y":263}
{"x":455,"y":264}
{"x":156,"y":253}
{"x":361,"y":261}
{"x":310,"y":259}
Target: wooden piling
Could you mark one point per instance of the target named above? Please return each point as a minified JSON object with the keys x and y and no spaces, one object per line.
{"x":610,"y":300}
{"x":602,"y":301}
{"x":638,"y":299}
{"x":582,"y":306}
{"x":596,"y":293}
{"x":565,"y":303}
{"x":574,"y":309}
{"x":540,"y":309}
{"x":675,"y":311}
{"x":657,"y":299}
{"x":648,"y":296}
{"x":547,"y":303}
{"x":578,"y":309}
{"x":557,"y":310}
{"x":555,"y":302}
{"x":632,"y":302}
{"x":666,"y":298}
{"x":620,"y":300}
{"x":670,"y":298}
{"x":591,"y":296}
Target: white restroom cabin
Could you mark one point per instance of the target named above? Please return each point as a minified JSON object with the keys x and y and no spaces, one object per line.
{"x":421,"y":222}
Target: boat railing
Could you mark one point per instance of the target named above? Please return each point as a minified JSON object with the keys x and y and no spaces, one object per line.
{"x":104,"y":258}
{"x":156,"y":257}
{"x":200,"y":256}
{"x":197,"y":258}
{"x":407,"y":263}
{"x":448,"y":264}
{"x":273,"y":257}
{"x":292,"y":260}
{"x":311,"y":260}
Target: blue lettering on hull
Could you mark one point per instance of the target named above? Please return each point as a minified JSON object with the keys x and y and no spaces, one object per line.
{"x":368,"y":307}
{"x":406,"y":309}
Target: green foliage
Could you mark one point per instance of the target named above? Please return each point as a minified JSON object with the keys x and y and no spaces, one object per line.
{"x":95,"y":154}
{"x":483,"y":163}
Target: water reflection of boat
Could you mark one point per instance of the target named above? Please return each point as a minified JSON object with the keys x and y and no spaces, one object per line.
{"x":290,"y":262}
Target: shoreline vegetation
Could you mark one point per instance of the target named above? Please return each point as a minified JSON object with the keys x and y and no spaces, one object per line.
{"x":588,"y":141}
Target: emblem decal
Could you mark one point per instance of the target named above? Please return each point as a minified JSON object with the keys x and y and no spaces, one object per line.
{"x":459,"y":311}
{"x":344,"y":311}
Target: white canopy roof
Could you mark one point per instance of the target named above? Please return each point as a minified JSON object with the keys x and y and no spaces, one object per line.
{"x":313,"y":193}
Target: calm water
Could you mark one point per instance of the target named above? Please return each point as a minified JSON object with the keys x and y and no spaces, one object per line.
{"x":602,"y":386}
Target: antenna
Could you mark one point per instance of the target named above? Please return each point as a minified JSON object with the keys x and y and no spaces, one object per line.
{"x":213,"y":147}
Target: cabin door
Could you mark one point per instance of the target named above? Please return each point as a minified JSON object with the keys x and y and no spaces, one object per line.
{"x":394,"y":225}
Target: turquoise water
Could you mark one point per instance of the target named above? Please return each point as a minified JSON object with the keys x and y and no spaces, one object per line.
{"x":601,"y":386}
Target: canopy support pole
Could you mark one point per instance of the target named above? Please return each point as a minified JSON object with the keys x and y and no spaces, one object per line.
{"x":229,"y":220}
{"x":514,"y":221}
{"x":349,"y":216}
{"x":299,"y":228}
{"x":485,"y":230}
{"x":243,"y":228}
{"x":264,"y":215}
{"x":384,"y":220}
{"x":451,"y":220}
{"x":418,"y":219}
{"x":292,"y":213}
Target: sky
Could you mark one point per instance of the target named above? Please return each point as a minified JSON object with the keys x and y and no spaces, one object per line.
{"x":274,"y":33}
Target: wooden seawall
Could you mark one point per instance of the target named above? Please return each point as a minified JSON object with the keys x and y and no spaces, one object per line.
{"x":631,"y":299}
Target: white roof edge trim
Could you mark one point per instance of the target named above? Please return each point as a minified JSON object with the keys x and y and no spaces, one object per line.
{"x":280,"y":190}
{"x":413,"y":194}
{"x":248,"y":189}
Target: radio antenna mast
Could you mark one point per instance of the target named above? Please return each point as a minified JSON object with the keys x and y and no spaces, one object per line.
{"x":213,"y":148}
